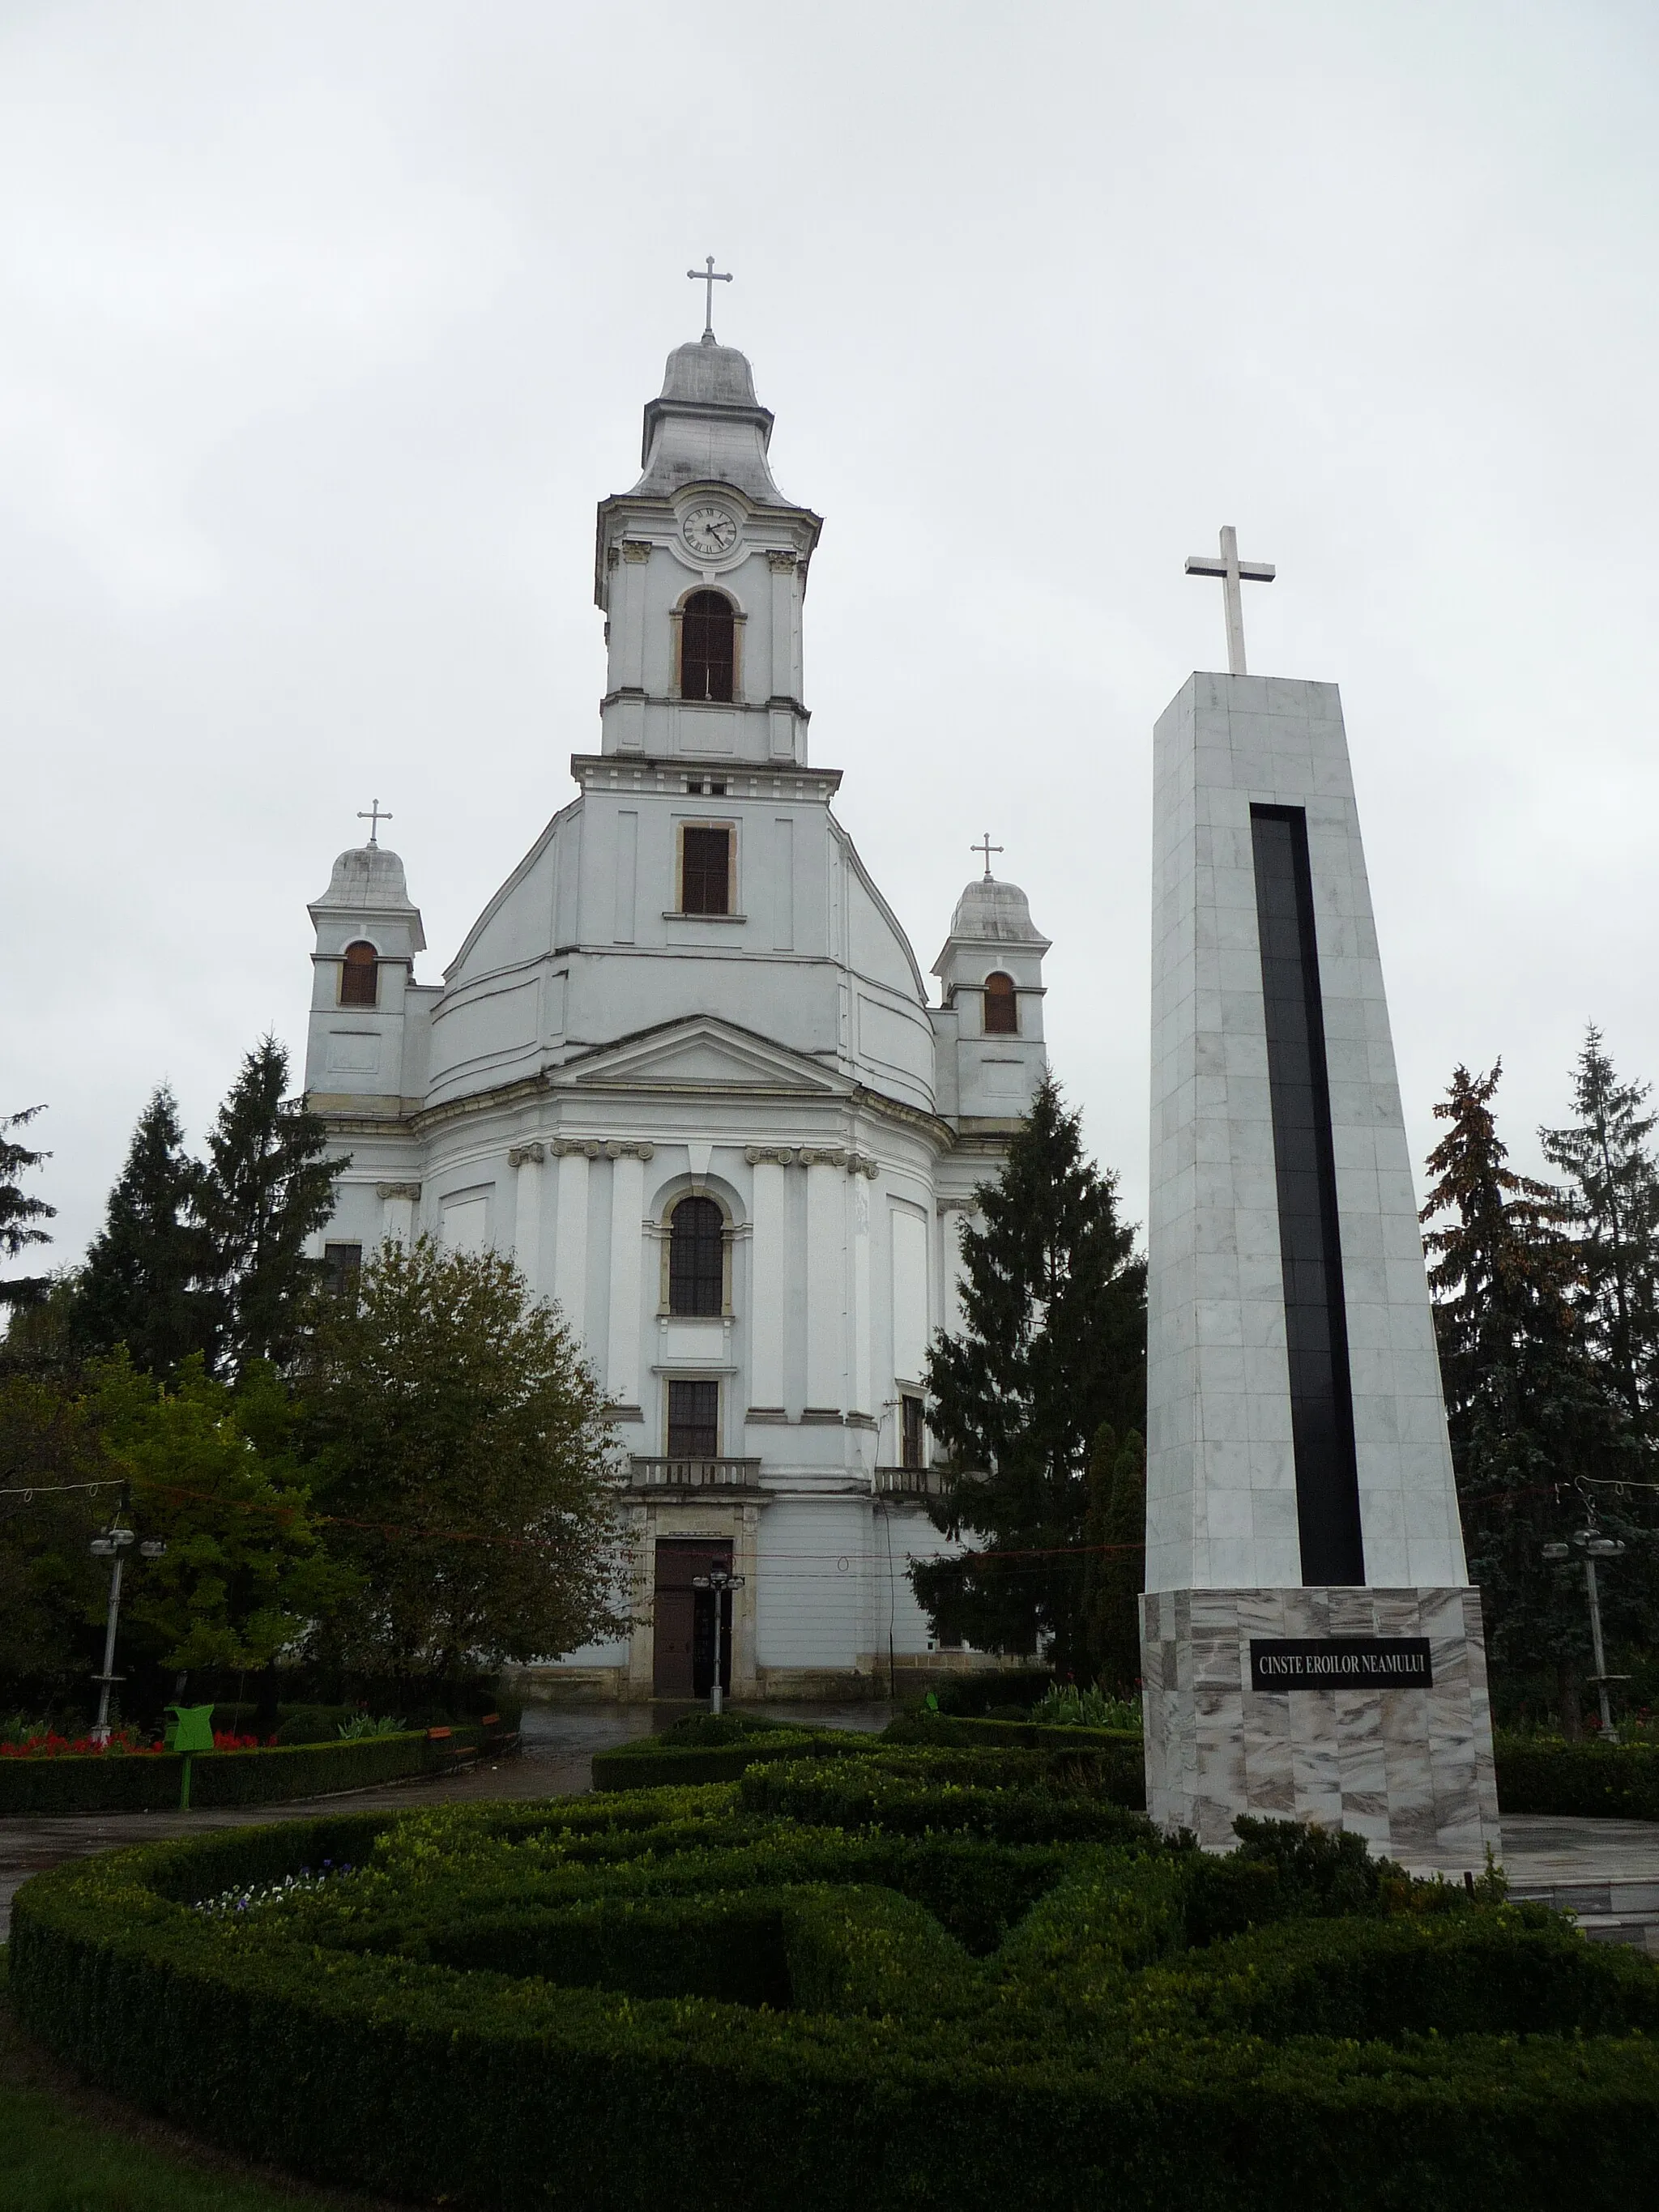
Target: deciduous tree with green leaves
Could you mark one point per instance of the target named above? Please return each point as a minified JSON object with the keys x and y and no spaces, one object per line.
{"x":462,"y":1445}
{"x":245,"y":1575}
{"x":1054,"y":1345}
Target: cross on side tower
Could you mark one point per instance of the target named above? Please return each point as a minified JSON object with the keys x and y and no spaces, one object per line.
{"x":709,"y":276}
{"x":986,"y":847}
{"x":1233,"y":571}
{"x":373,"y":817}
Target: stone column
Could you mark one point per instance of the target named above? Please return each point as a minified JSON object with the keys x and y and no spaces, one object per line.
{"x":861,"y":1171}
{"x":527,"y":1209}
{"x":627,"y":1239}
{"x":397,"y":1203}
{"x":766,"y":1279}
{"x":826,"y":1282}
{"x":570,"y":1235}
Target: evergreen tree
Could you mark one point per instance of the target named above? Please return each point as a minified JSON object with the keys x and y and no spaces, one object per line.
{"x":1115,"y":1561}
{"x":1528,"y":1410}
{"x":463,"y":1444}
{"x":266,"y":1188}
{"x":142,"y":1284}
{"x":1613,"y":1195}
{"x":1054,"y":1344}
{"x":20,"y":1212}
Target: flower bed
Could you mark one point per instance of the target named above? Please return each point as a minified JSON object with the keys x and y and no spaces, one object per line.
{"x":149,"y":1781}
{"x":922,"y":1978}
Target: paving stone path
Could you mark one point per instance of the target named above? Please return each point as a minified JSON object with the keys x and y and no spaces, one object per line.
{"x":556,"y":1760}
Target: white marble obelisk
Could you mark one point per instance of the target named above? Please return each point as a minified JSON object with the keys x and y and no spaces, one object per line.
{"x":1301,"y":1524}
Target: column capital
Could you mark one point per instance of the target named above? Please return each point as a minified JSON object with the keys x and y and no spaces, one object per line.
{"x":520,"y":1156}
{"x":409,"y":1190}
{"x":782,"y":561}
{"x":782,"y":1156}
{"x":824,"y":1156}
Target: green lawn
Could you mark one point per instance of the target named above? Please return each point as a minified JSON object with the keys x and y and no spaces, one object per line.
{"x":63,"y":2149}
{"x":54,"y":2159}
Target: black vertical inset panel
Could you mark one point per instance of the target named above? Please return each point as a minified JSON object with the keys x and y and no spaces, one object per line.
{"x":1315,"y":1319}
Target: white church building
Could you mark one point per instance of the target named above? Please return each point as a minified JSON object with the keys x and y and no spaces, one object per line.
{"x":686,"y":1070}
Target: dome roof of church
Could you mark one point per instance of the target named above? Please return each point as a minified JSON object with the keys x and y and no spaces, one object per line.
{"x":995,"y":912}
{"x":367,"y":877}
{"x":707,"y":427}
{"x":709,"y":374}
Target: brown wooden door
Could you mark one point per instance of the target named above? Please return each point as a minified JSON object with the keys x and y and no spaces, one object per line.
{"x":678,"y":1612}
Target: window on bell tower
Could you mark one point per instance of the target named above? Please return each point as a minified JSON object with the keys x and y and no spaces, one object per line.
{"x":359,"y":976}
{"x":708,"y":647}
{"x":1001,"y":1007}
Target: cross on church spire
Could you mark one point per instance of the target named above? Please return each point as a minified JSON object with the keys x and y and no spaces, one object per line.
{"x":709,"y":276}
{"x":373,"y":817}
{"x":986,"y":846}
{"x":1233,"y":571}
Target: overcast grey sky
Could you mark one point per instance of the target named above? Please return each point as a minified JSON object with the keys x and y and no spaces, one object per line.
{"x":324,"y":327}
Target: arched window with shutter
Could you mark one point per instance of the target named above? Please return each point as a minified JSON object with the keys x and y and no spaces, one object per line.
{"x":359,"y":976}
{"x":696,"y":1258}
{"x":708,"y":647}
{"x":1001,"y":1007}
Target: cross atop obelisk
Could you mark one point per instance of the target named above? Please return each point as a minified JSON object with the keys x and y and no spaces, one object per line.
{"x":1232,"y":572}
{"x":374,"y":817}
{"x":709,"y":276}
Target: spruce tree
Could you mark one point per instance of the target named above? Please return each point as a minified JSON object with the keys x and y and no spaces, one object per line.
{"x":1114,"y":1559}
{"x":143,"y":1284}
{"x":1528,"y":1413}
{"x":20,"y":1212}
{"x":266,"y":1188}
{"x":1054,"y":1343}
{"x":1612,"y":1196}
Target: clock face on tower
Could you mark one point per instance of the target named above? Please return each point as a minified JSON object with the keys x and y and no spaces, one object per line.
{"x":709,"y":531}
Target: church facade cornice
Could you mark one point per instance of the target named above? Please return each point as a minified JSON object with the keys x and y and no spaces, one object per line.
{"x":646,"y":772}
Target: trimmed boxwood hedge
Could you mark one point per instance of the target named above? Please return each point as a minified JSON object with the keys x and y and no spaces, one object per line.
{"x":927,"y":2004}
{"x":1120,"y":1753}
{"x":1605,"y":1781}
{"x":716,"y":1747}
{"x":149,"y":1782}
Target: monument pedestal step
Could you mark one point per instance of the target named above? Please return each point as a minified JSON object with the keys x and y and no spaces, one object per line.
{"x":1611,"y":1911}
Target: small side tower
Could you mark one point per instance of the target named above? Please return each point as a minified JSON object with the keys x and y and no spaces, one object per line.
{"x":362,"y":1053}
{"x":990,"y":973}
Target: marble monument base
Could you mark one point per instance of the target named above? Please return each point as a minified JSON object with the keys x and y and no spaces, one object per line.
{"x":1409,"y":1769}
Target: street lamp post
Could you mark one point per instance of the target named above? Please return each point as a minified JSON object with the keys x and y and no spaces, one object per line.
{"x":722,"y":1581}
{"x":1593,"y":1546}
{"x":112,"y":1544}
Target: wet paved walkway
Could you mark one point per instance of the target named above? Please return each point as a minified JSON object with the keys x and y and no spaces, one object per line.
{"x":556,"y":1760}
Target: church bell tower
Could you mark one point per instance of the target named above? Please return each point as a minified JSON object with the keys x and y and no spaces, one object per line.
{"x":701,"y":570}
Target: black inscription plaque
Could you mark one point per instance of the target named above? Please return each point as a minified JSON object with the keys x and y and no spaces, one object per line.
{"x":1315,"y":1319}
{"x":1341,"y":1663}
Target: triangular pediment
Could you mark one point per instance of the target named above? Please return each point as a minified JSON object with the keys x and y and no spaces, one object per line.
{"x":700,"y":1055}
